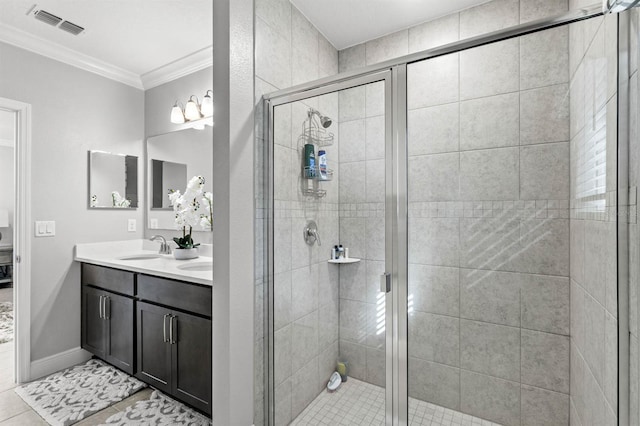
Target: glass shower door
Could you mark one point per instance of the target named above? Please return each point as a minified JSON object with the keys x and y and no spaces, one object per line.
{"x":327,"y":314}
{"x":488,"y":232}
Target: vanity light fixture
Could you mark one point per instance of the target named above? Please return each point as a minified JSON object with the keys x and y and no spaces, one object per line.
{"x":207,"y":104}
{"x":194,"y":110}
{"x":177,"y":116}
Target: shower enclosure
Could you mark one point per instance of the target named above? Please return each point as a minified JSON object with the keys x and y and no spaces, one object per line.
{"x":455,"y":178}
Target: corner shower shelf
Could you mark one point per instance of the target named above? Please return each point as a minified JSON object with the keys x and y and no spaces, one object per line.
{"x":343,"y":260}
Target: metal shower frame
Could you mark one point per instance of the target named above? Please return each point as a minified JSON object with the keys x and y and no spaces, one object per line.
{"x":394,"y":75}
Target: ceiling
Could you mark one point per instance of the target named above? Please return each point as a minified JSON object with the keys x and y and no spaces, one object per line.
{"x":336,"y":18}
{"x":130,"y":37}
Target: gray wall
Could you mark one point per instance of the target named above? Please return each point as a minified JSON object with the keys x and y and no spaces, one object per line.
{"x":73,"y":112}
{"x":593,"y":111}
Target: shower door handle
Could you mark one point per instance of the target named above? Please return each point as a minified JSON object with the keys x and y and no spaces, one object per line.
{"x":385,"y":282}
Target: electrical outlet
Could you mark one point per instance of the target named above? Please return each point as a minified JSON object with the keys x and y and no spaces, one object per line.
{"x":153,"y":223}
{"x":131,"y":225}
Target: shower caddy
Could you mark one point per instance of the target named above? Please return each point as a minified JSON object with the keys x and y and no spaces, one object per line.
{"x":314,"y":133}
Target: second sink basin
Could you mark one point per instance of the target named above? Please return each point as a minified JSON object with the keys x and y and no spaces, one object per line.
{"x":197,"y":266}
{"x":141,"y":256}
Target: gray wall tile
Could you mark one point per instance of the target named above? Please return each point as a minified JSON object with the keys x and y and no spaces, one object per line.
{"x":488,"y":243}
{"x":375,"y":103}
{"x":490,"y":349}
{"x":282,"y":300}
{"x":545,"y":360}
{"x":434,"y":289}
{"x":376,"y":367}
{"x":352,"y":104}
{"x":544,"y":58}
{"x":544,"y":408}
{"x":434,"y":241}
{"x":353,"y":182}
{"x":375,"y":181}
{"x":352,"y":58}
{"x":490,"y":296}
{"x":479,"y":75}
{"x":611,"y":360}
{"x":490,"y":398}
{"x":387,"y":47}
{"x":531,"y":10}
{"x":489,"y":174}
{"x":304,"y":341}
{"x":544,"y":247}
{"x":282,"y":355}
{"x":356,"y":356}
{"x":352,"y":235}
{"x":352,"y":140}
{"x":595,"y":263}
{"x":276,"y":14}
{"x":434,"y":130}
{"x":353,"y":281}
{"x":304,"y":387}
{"x":433,"y":82}
{"x":434,"y":177}
{"x":304,"y":291}
{"x":375,"y":232}
{"x":434,"y":33}
{"x":434,"y":338}
{"x":544,"y":114}
{"x":544,"y":172}
{"x":488,"y":17}
{"x":375,"y":129}
{"x":433,"y":382}
{"x":490,"y":122}
{"x":545,"y":303}
{"x":594,"y":337}
{"x":273,"y":56}
{"x":282,"y":397}
{"x":353,"y":321}
{"x":328,"y":326}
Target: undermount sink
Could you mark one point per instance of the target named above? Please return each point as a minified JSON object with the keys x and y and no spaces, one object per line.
{"x":142,"y":256}
{"x":197,"y":266}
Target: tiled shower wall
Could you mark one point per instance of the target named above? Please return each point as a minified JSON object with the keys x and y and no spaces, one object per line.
{"x":289,"y":51}
{"x":593,"y":113}
{"x":489,"y":228}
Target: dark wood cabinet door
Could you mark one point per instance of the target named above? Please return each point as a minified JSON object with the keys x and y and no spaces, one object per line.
{"x":191,"y":372}
{"x":119,"y":349}
{"x":94,"y":328}
{"x":154,"y":353}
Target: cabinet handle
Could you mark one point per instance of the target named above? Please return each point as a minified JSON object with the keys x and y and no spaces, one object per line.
{"x":100,"y":308}
{"x":171,"y":332}
{"x":107,"y":308}
{"x":164,"y":328}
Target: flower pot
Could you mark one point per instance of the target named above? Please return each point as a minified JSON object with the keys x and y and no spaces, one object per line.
{"x":184,"y":254}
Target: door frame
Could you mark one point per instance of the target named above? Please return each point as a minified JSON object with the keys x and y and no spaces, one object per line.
{"x":21,"y":237}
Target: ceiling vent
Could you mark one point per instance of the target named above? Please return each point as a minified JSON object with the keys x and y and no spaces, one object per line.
{"x":51,"y":19}
{"x":47,"y":17}
{"x":70,"y":27}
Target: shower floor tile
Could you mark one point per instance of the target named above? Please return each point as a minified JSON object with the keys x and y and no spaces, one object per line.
{"x":360,"y":403}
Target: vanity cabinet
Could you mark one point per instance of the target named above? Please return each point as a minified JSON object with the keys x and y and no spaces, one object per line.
{"x":107,"y":317}
{"x":174,"y":346}
{"x":154,"y":328}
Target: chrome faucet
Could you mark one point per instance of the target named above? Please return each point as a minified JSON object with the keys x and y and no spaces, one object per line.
{"x":164,"y":246}
{"x":310,"y":233}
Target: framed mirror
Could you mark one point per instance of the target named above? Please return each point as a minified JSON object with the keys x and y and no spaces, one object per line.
{"x":113,"y":180}
{"x":172,"y":159}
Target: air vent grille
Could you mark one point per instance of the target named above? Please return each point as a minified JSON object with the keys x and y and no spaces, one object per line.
{"x":70,"y":27}
{"x":47,"y":17}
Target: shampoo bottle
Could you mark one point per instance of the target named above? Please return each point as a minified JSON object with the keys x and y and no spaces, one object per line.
{"x":309,"y":161}
{"x":322,"y":164}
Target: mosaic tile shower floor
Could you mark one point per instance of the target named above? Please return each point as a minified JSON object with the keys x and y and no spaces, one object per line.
{"x":360,"y":403}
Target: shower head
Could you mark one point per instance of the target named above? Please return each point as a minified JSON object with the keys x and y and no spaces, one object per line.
{"x":324,"y":120}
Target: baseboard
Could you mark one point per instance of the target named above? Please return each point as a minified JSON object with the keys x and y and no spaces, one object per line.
{"x":57,"y":362}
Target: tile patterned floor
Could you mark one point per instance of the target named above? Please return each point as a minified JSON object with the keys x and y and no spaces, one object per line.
{"x":360,"y":403}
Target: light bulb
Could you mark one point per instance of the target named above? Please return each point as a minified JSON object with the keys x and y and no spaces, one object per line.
{"x":207,"y":105}
{"x":191,"y":110}
{"x":177,"y":117}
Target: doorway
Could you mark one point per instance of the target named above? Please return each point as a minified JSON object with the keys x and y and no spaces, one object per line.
{"x":15,"y":245}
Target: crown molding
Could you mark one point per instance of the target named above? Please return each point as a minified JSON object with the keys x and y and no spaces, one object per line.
{"x":189,"y":64}
{"x":44,"y":47}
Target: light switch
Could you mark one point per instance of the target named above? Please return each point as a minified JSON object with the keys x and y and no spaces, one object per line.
{"x":45,"y":228}
{"x":131,"y":225}
{"x":153,"y":223}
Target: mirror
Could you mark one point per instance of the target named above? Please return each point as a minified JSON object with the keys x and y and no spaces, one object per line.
{"x":172,"y":159}
{"x":165,"y":177}
{"x":113,"y":180}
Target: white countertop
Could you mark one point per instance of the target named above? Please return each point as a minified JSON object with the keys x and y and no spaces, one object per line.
{"x":110,"y":254}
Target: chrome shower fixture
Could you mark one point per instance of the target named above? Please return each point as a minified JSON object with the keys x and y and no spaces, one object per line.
{"x":324,"y":120}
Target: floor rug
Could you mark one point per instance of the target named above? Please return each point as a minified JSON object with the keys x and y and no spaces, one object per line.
{"x":158,"y":410}
{"x":68,"y":396}
{"x":6,"y":322}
